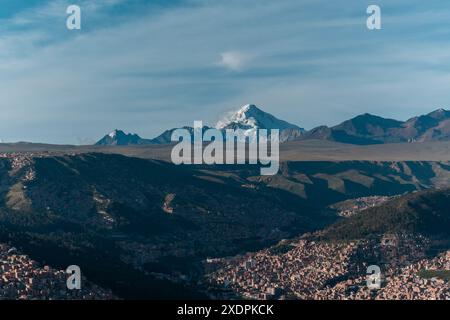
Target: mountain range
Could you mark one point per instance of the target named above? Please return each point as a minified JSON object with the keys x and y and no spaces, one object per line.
{"x":370,"y":129}
{"x":248,"y":118}
{"x":365,"y":129}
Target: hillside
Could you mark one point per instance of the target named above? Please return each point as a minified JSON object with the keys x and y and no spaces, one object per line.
{"x":407,"y":238}
{"x":142,"y":227}
{"x":321,"y":183}
{"x":138,"y":217}
{"x":425,"y":213}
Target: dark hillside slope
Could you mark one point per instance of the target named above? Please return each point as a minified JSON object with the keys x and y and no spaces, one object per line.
{"x":123,"y":218}
{"x":425,"y":213}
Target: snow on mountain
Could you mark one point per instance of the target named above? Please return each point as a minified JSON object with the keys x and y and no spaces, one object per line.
{"x":120,"y":138}
{"x":363,"y":129}
{"x":250,"y":118}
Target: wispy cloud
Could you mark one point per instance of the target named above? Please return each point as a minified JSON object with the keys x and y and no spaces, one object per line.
{"x":234,"y":60}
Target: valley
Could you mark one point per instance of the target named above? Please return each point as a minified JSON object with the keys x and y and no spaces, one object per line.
{"x":143,"y":228}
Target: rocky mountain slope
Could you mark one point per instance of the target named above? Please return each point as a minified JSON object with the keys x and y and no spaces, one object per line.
{"x":370,"y":129}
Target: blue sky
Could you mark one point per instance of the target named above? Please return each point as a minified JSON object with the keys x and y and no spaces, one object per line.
{"x":145,"y":66}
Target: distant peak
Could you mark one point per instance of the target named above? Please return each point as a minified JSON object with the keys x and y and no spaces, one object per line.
{"x":250,"y":117}
{"x":113,"y":133}
{"x":248,"y":108}
{"x":244,"y":114}
{"x":371,"y":117}
{"x":367,"y":115}
{"x":440,"y":110}
{"x":440,"y":113}
{"x":119,"y":137}
{"x":116,"y":132}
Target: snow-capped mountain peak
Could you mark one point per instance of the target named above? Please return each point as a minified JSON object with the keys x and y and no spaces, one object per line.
{"x":250,"y":116}
{"x":114,"y":133}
